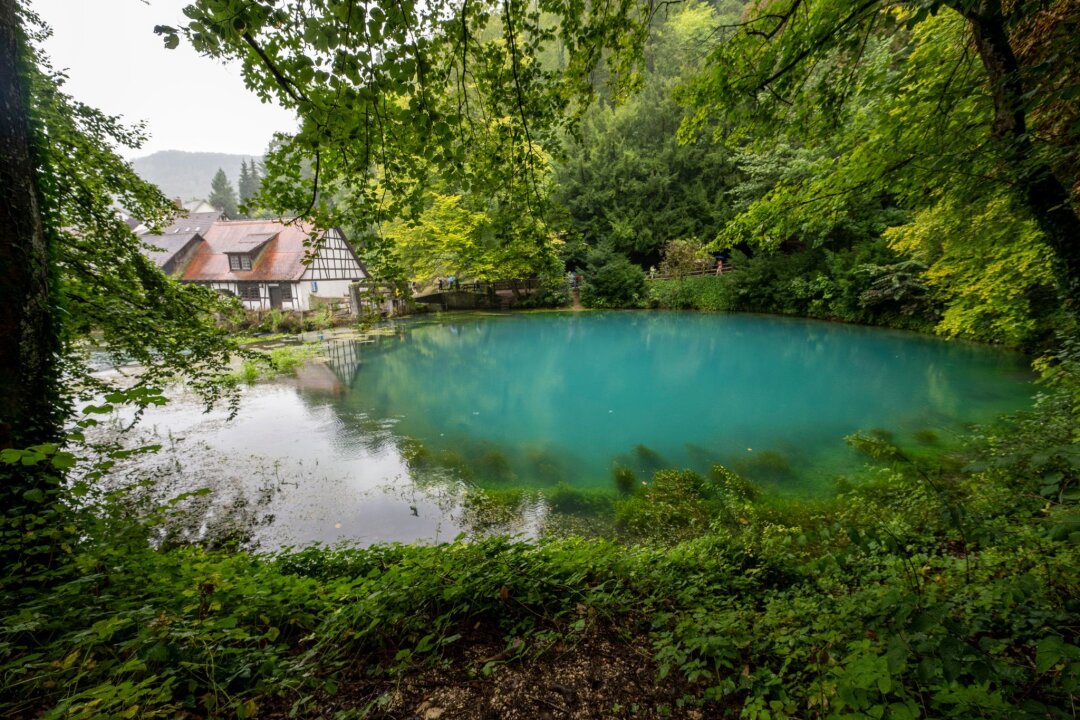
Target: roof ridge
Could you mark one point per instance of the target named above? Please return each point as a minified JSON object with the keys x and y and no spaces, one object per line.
{"x":257,"y":220}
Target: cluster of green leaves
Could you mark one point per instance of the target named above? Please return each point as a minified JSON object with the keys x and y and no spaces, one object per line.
{"x":612,"y":281}
{"x":108,"y":289}
{"x":452,"y":236}
{"x":866,"y":284}
{"x":931,"y":590}
{"x":855,"y":121}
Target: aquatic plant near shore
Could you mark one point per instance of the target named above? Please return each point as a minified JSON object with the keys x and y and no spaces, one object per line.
{"x":262,"y":365}
{"x":626,"y":480}
{"x":871,"y":603}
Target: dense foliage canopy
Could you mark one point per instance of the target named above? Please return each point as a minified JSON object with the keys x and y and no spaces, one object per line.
{"x":87,"y":290}
{"x":910,"y":163}
{"x":878,"y":137}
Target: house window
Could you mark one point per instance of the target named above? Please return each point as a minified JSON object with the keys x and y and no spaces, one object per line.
{"x":239,"y":262}
{"x":286,"y":292}
{"x":250,"y":291}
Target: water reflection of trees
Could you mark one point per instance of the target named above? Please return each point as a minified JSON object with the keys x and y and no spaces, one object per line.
{"x":189,"y":493}
{"x":439,"y":393}
{"x":448,"y":386}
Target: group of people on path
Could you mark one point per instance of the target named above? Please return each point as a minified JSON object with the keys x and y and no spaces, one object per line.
{"x":453,"y":282}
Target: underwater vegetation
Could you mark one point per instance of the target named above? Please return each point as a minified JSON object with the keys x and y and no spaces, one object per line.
{"x":571,"y":500}
{"x":767,"y":466}
{"x":626,"y":480}
{"x":926,"y":437}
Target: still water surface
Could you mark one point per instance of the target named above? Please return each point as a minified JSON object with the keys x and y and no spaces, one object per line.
{"x":383,"y":441}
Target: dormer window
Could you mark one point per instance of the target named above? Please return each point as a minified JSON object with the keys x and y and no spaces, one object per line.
{"x":238,"y":261}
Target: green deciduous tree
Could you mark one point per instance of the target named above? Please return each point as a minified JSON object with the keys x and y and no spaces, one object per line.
{"x":612,"y":281}
{"x":915,"y":107}
{"x":683,"y":256}
{"x":75,"y":269}
{"x":625,"y":179}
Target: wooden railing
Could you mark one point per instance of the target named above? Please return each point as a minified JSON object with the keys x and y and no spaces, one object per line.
{"x":481,"y":286}
{"x":692,"y":273}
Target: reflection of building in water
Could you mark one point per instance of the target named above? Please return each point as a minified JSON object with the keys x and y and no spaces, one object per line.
{"x":333,"y":371}
{"x":344,"y":358}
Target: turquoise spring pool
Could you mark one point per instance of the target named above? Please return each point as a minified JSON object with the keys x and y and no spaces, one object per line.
{"x":566,"y":397}
{"x":401,"y":435}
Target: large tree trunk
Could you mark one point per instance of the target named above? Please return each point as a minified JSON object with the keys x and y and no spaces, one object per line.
{"x":27,"y":340}
{"x":31,"y":522}
{"x":1044,"y":194}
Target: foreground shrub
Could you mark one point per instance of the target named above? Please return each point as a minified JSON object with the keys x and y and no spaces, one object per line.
{"x":700,"y":292}
{"x":612,"y":281}
{"x":925,"y":591}
{"x":552,"y":292}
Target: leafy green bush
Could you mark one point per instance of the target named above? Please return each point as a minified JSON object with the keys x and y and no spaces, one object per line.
{"x":683,"y":256}
{"x":863,"y":285}
{"x":924,"y":591}
{"x":701,"y":292}
{"x":572,"y":500}
{"x":249,"y":372}
{"x":319,"y":319}
{"x":552,"y":292}
{"x":612,"y":281}
{"x":285,"y":360}
{"x":260,"y":364}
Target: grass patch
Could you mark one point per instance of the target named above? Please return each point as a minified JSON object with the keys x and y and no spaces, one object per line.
{"x":274,"y":362}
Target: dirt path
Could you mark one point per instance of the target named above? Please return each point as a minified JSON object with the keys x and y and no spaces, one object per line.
{"x":598,"y":676}
{"x":575,"y":299}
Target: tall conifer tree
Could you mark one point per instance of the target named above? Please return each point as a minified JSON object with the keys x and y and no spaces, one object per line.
{"x":223,"y":195}
{"x":244,"y":184}
{"x":249,"y":181}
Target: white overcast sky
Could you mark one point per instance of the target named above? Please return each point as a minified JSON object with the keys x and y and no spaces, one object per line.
{"x":116,"y":64}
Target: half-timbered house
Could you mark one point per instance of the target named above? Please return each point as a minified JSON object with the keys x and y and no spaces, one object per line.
{"x":173,"y":248}
{"x":265,"y":263}
{"x":270,"y":264}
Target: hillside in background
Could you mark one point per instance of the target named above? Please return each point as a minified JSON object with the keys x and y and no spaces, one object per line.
{"x":187,"y":175}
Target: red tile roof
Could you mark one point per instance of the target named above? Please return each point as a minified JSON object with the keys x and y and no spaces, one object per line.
{"x":281,"y":258}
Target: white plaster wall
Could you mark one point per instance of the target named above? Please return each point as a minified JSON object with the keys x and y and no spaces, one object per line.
{"x":328,"y":290}
{"x":299,"y":301}
{"x":303,"y":293}
{"x":331,"y":289}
